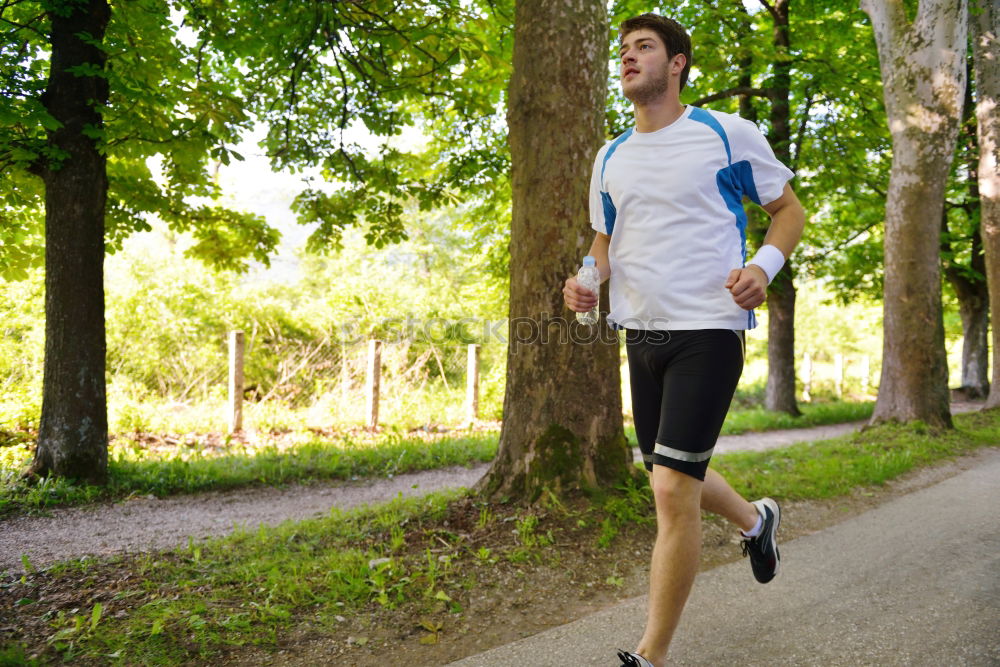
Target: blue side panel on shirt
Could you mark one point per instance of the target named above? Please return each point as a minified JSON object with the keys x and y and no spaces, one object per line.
{"x":729,"y":187}
{"x":610,"y":212}
{"x":743,"y":177}
{"x":703,"y":116}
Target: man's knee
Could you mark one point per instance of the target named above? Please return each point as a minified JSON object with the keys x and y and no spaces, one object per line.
{"x":675,"y":493}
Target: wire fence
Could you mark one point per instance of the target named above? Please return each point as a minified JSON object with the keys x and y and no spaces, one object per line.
{"x":367,"y":381}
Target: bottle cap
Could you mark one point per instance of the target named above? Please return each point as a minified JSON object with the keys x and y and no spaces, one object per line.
{"x":589,"y":261}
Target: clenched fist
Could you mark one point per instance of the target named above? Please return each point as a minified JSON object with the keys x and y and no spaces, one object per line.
{"x":747,"y":285}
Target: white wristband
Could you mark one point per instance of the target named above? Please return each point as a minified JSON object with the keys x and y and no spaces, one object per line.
{"x":770,"y":260}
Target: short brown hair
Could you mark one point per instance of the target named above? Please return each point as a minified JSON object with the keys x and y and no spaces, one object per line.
{"x":674,"y":37}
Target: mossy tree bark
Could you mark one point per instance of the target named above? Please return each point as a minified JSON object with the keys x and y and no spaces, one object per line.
{"x":562,"y":426}
{"x":73,"y":433}
{"x":923,"y":74}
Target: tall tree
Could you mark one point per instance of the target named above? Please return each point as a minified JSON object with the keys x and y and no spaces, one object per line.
{"x":562,"y":425}
{"x":776,"y":94}
{"x":963,"y":262}
{"x":923,"y":73}
{"x":984,"y":22}
{"x":119,"y":90}
{"x":780,"y":393}
{"x":73,"y":434}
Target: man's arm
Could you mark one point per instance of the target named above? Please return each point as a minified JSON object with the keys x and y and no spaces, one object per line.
{"x":749,"y":284}
{"x":788,"y":219}
{"x":580,"y":299}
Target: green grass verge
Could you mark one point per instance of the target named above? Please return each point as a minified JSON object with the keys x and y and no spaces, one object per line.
{"x":874,"y":456}
{"x":135,"y":470}
{"x":192,"y":603}
{"x":813,"y":414}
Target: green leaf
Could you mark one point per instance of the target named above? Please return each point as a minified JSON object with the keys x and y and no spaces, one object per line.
{"x":27,"y":564}
{"x":95,"y":616}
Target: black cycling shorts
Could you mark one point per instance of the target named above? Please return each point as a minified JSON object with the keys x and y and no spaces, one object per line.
{"x":682,"y":385}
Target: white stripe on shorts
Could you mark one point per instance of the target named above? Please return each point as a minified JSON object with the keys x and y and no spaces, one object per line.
{"x":680,"y":455}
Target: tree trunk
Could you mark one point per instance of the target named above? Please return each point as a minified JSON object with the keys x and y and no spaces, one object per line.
{"x":923,"y":74}
{"x":984,"y":22}
{"x":970,"y":287}
{"x":973,"y":307}
{"x":562,"y":426}
{"x":73,"y":433}
{"x":780,"y":394}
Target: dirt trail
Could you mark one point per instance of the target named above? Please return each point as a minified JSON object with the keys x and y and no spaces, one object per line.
{"x":147,"y":523}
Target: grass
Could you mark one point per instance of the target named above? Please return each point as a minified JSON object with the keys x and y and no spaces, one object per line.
{"x":140,"y":466}
{"x":189,"y":467}
{"x":872,"y":457}
{"x":813,"y":414}
{"x":417,"y":557}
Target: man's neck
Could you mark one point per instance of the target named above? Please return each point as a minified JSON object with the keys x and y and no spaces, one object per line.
{"x":657,"y":114}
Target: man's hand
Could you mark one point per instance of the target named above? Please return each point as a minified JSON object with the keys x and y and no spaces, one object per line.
{"x":578,"y":299}
{"x":747,"y":285}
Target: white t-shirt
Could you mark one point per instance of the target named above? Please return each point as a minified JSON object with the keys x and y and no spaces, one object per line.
{"x":671,"y":201}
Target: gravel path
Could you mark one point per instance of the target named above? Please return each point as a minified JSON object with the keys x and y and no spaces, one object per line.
{"x":146,"y":524}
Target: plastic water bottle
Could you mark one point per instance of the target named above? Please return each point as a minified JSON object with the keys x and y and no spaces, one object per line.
{"x":588,"y":276}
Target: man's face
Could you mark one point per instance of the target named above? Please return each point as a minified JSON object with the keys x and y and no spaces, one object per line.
{"x":644,"y":67}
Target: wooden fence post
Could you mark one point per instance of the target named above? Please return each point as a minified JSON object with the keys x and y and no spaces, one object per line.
{"x":374,"y":373}
{"x":472,"y":385}
{"x":235,"y":381}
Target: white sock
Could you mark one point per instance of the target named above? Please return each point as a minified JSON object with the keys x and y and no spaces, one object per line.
{"x":755,"y":531}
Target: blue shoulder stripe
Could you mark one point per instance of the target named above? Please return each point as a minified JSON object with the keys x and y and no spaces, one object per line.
{"x":610,"y":213}
{"x":611,"y":149}
{"x":703,"y":116}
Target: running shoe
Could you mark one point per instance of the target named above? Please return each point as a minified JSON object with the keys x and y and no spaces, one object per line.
{"x":633,"y":659}
{"x":763,"y":549}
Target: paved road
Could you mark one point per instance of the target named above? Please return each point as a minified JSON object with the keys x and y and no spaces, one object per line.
{"x":913,"y":582}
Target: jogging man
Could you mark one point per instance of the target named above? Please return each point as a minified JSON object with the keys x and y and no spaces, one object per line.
{"x":667,"y":205}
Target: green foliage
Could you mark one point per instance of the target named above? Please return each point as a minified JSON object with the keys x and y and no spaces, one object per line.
{"x":316,"y":72}
{"x":14,"y":655}
{"x":631,"y":505}
{"x":22,"y":343}
{"x":171,"y":100}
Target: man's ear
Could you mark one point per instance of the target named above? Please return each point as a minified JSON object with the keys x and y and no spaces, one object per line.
{"x":677,"y":63}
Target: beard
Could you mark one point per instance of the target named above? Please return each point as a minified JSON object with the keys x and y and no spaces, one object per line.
{"x":654,"y":87}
